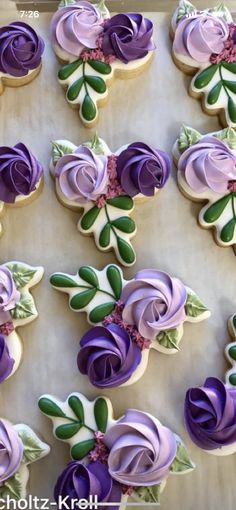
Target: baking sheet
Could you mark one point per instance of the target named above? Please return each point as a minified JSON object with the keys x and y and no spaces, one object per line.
{"x":150,"y":108}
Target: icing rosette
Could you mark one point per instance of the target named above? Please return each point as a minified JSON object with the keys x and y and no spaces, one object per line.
{"x":128,"y":37}
{"x":21,"y":49}
{"x":6,"y":362}
{"x":20,"y":172}
{"x":210,"y":414}
{"x":11,"y":451}
{"x":208,"y":164}
{"x":141,"y":450}
{"x":141,"y":169}
{"x":9,"y":295}
{"x":108,"y":356}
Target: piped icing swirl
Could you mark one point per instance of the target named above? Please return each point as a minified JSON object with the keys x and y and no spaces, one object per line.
{"x":9,"y":295}
{"x":11,"y":451}
{"x":6,"y":362}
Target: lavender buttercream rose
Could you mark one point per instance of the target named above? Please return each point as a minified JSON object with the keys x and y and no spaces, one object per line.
{"x":108,"y":356}
{"x":83,"y":175}
{"x":141,"y":450}
{"x":21,"y":49}
{"x":200,"y":35}
{"x":76,"y":27}
{"x":154,"y":302}
{"x":141,"y":169}
{"x":128,"y":37}
{"x":20,"y":172}
{"x":11,"y":451}
{"x":79,"y":482}
{"x":9,"y":295}
{"x":6,"y":362}
{"x":210,"y":414}
{"x":208,"y":164}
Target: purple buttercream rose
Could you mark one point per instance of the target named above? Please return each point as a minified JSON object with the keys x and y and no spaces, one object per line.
{"x":6,"y":362}
{"x":200,"y":35}
{"x":141,"y":169}
{"x":76,"y":27}
{"x":21,"y":49}
{"x":208,"y":164}
{"x":128,"y":37}
{"x":108,"y":356}
{"x":11,"y":451}
{"x":83,"y":175}
{"x":210,"y":414}
{"x":154,"y":302}
{"x":9,"y":295}
{"x":79,"y":481}
{"x":20,"y":172}
{"x":141,"y":450}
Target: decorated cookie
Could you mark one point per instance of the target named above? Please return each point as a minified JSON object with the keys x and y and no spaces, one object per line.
{"x":20,"y":446}
{"x":17,"y":308}
{"x":21,"y":177}
{"x":113,"y":460}
{"x":21,"y":51}
{"x":95,"y":49}
{"x":207,"y":173}
{"x":210,"y":410}
{"x":129,"y":318}
{"x":105,"y":186}
{"x":204,"y":45}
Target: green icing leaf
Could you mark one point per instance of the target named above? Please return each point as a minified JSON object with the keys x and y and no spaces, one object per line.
{"x":100,"y":67}
{"x":12,"y":487}
{"x":74,"y":89}
{"x":182,"y":461}
{"x":95,"y":145}
{"x":125,"y":224}
{"x":69,"y":69}
{"x":188,"y":137}
{"x":126,"y":251}
{"x":228,"y":136}
{"x":227,"y":232}
{"x":230,"y":66}
{"x":105,"y":235}
{"x":214,"y":93}
{"x":82,"y":299}
{"x":122,"y":202}
{"x":231,"y":85}
{"x":215,"y":210}
{"x":89,"y":109}
{"x":100,"y":312}
{"x":22,"y":274}
{"x":97,"y":83}
{"x":90,"y":217}
{"x":205,"y":76}
{"x":62,"y":281}
{"x":169,"y":339}
{"x":185,"y":8}
{"x":77,"y":407}
{"x":88,"y":275}
{"x":222,"y":11}
{"x":232,"y":110}
{"x":65,"y":3}
{"x":114,"y":278}
{"x":232,"y":352}
{"x":48,"y":407}
{"x":232,"y":379}
{"x":101,"y":414}
{"x":80,"y":450}
{"x":194,"y":306}
{"x":149,"y":494}
{"x":58,"y":150}
{"x":25,"y":307}
{"x":67,"y":431}
{"x":32,"y":449}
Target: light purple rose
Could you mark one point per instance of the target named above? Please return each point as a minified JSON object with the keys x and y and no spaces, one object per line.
{"x":76,"y":27}
{"x":9,"y":295}
{"x":200,"y":35}
{"x":208,"y":164}
{"x":11,"y":451}
{"x":83,"y":175}
{"x":141,"y":450}
{"x":154,"y":302}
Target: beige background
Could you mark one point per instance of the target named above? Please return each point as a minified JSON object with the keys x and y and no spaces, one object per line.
{"x":149,"y":108}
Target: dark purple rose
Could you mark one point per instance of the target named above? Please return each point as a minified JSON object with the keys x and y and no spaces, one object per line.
{"x":108,"y":356}
{"x":141,"y":169}
{"x":79,"y":482}
{"x":6,"y":362}
{"x":210,"y":414}
{"x":20,"y":49}
{"x":20,"y":172}
{"x":128,"y":37}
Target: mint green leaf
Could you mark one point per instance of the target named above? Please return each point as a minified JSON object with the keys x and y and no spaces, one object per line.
{"x":194,"y":306}
{"x":82,"y":299}
{"x":81,"y":450}
{"x":69,"y":69}
{"x":169,"y":339}
{"x":12,"y":487}
{"x":74,"y":90}
{"x":149,"y":494}
{"x":185,"y":9}
{"x":95,"y":144}
{"x":216,"y":209}
{"x":101,"y":414}
{"x":25,"y":307}
{"x":58,"y":150}
{"x":203,"y":78}
{"x":182,"y":462}
{"x":188,"y":137}
{"x":22,"y":274}
{"x":88,"y":274}
{"x":228,"y":136}
{"x":89,"y":218}
{"x":32,"y":449}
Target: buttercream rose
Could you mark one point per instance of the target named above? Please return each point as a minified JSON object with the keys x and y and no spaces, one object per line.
{"x":128,"y":37}
{"x":141,"y":450}
{"x":108,"y":356}
{"x":78,"y":481}
{"x":154,"y":302}
{"x":20,"y":172}
{"x":9,"y":295}
{"x":11,"y":451}
{"x":21,"y":49}
{"x":208,"y":164}
{"x":210,"y":414}
{"x":200,"y":35}
{"x":6,"y":362}
{"x":76,"y":27}
{"x":141,"y":169}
